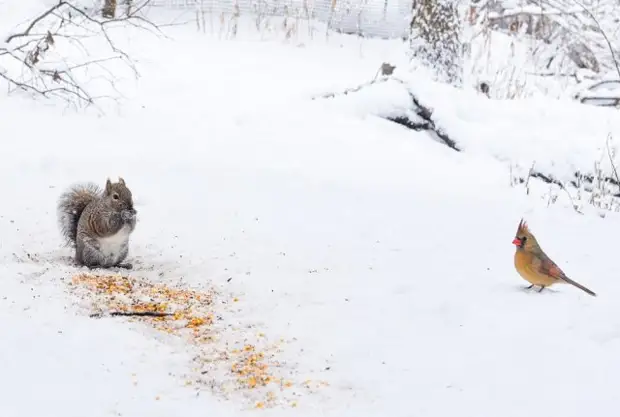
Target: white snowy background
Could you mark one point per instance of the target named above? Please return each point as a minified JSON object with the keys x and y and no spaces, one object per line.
{"x":381,"y":257}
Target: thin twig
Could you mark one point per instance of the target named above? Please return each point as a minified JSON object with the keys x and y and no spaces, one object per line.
{"x":611,"y":161}
{"x":131,"y":314}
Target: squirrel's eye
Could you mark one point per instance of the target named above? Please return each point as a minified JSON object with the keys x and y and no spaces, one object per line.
{"x":115,"y":196}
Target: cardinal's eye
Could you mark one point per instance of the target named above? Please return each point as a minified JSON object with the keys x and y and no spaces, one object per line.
{"x":523,"y":239}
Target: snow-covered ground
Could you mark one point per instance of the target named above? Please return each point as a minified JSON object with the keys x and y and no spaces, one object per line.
{"x":378,"y":260}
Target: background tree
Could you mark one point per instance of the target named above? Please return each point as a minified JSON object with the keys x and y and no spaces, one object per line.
{"x":109,"y":9}
{"x":435,"y":38}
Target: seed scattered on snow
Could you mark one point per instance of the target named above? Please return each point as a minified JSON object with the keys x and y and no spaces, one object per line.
{"x":190,"y":315}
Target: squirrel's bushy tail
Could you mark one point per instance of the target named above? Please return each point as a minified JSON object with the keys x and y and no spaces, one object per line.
{"x":71,"y":204}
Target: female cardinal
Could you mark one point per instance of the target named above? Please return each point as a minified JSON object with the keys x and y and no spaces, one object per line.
{"x":534,"y":265}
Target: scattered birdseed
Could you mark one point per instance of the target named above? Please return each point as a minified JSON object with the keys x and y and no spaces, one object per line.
{"x":229,"y":364}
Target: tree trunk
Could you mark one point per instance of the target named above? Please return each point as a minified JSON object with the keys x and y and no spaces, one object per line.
{"x":435,"y":38}
{"x":109,"y":9}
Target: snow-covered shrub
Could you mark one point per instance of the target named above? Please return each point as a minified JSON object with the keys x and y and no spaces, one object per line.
{"x":523,"y":47}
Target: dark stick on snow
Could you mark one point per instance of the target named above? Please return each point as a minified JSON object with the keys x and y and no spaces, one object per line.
{"x":132,"y":313}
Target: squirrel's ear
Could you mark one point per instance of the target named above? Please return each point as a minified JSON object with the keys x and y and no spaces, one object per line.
{"x":121,"y":180}
{"x":108,"y":186}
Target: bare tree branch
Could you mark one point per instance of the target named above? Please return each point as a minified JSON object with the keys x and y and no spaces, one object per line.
{"x":24,"y":62}
{"x":35,"y":21}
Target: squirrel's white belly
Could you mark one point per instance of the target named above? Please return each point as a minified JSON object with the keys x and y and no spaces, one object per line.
{"x":113,"y":246}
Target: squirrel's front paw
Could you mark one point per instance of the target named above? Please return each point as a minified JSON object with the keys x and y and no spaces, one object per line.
{"x":128,"y":214}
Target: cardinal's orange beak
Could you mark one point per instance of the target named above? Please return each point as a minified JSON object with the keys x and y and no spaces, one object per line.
{"x":516,"y":241}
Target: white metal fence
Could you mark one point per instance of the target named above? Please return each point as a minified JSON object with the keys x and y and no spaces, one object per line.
{"x":371,"y":18}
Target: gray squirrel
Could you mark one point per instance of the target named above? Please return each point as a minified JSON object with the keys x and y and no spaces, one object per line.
{"x":98,"y":223}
